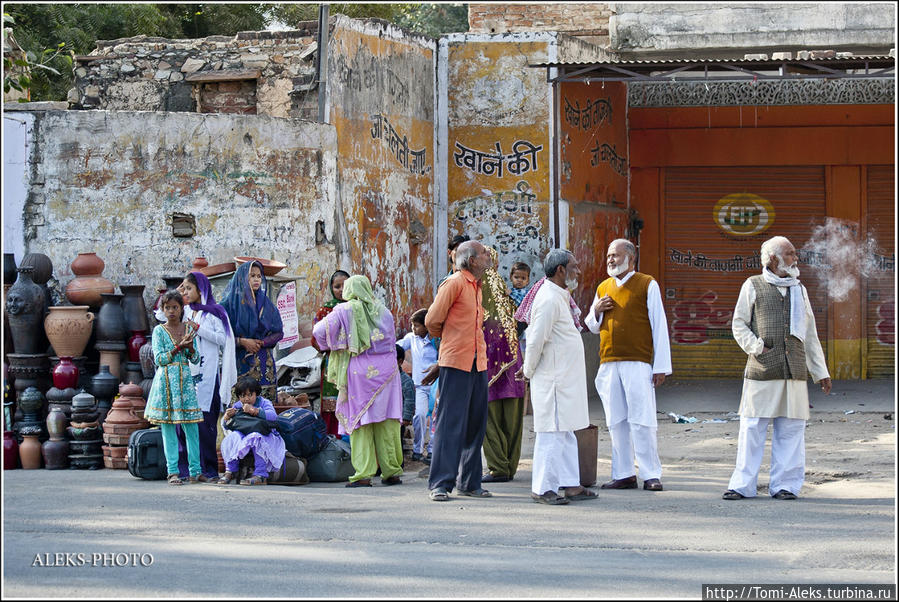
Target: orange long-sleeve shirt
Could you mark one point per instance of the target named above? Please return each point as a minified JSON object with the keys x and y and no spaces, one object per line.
{"x":457,"y":317}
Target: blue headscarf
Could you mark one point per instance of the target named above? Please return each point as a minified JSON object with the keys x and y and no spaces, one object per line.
{"x":251,"y":317}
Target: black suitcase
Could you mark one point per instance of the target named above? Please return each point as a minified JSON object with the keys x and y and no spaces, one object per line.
{"x":304,"y":432}
{"x":146,"y":456}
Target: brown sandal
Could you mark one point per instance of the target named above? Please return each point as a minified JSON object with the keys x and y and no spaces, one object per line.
{"x":174,"y":479}
{"x":226,"y":478}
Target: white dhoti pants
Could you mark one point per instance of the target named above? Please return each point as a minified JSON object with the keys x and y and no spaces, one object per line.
{"x":555,"y":462}
{"x":629,"y":401}
{"x":787,"y":455}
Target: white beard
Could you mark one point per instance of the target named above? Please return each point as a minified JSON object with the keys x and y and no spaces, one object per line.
{"x":571,"y":284}
{"x":620,"y":268}
{"x":792,"y":271}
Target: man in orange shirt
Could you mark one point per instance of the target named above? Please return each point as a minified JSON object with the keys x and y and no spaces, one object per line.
{"x":457,"y":317}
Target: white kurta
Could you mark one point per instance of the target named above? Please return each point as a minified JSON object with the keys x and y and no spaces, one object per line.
{"x":772,"y":398}
{"x":626,"y":387}
{"x":211,"y":343}
{"x":554,"y":363}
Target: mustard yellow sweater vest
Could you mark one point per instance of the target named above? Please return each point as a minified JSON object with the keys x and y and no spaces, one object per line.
{"x":626,"y":334}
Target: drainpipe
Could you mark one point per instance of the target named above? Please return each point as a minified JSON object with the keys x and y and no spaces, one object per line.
{"x":557,"y":161}
{"x":321,"y":76}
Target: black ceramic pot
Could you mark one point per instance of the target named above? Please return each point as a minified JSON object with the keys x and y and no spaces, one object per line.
{"x":134,"y":308}
{"x":104,"y":385}
{"x":9,"y":268}
{"x":43,"y":267}
{"x":111,"y":327}
{"x":25,"y":303}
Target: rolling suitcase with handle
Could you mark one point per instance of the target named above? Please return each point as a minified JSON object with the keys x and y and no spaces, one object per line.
{"x":146,"y":456}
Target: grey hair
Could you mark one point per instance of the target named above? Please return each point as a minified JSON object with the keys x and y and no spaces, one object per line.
{"x":464,"y":253}
{"x":554,"y":259}
{"x":629,"y":247}
{"x":773,"y":247}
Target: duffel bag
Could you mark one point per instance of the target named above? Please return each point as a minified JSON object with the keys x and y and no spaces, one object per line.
{"x":304,"y":432}
{"x":292,"y":472}
{"x":146,"y":455}
{"x":333,"y":463}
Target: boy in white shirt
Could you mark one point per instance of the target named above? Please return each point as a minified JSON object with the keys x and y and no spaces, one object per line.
{"x":424,"y":357}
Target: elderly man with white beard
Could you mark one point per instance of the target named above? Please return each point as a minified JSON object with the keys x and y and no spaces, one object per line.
{"x":774,"y":324}
{"x":634,"y":357}
{"x":554,"y":363}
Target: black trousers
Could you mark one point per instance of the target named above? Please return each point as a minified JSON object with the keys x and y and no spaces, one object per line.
{"x":461,"y":423}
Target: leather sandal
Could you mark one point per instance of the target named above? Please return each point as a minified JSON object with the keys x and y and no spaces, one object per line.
{"x":254,"y":480}
{"x":730,"y":494}
{"x":359,"y":483}
{"x":226,"y":478}
{"x":583,"y":494}
{"x":550,"y":498}
{"x":200,"y":478}
{"x":174,"y":479}
{"x":474,"y":492}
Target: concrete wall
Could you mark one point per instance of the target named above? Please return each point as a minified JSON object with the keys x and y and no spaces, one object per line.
{"x":381,"y":102}
{"x":110,"y":182}
{"x":17,"y":179}
{"x":590,"y":20}
{"x":148,"y":74}
{"x":496,"y":149}
{"x":737,"y":27}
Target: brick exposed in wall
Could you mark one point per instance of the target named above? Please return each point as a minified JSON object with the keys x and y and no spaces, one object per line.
{"x":589,"y":20}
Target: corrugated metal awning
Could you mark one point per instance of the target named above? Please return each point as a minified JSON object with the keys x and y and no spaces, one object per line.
{"x":851,"y":67}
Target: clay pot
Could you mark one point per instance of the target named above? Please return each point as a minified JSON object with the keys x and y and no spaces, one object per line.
{"x":25,"y":303}
{"x":88,"y":285}
{"x":65,"y":374}
{"x":30,"y":402}
{"x":147,"y":362}
{"x":69,"y":329}
{"x":57,"y":422}
{"x":137,"y":340}
{"x":134,"y":395}
{"x":111,"y":326}
{"x":43,"y":267}
{"x":199,"y":264}
{"x":134,"y":308}
{"x":133,"y":373}
{"x":113,"y":361}
{"x":83,"y":402}
{"x":10,"y":451}
{"x":56,"y":450}
{"x":30,"y":451}
{"x":104,"y":384}
{"x":9,"y":268}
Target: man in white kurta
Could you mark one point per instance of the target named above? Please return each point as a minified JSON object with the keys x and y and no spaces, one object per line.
{"x":635,"y":357}
{"x":554,"y":364}
{"x":774,"y":324}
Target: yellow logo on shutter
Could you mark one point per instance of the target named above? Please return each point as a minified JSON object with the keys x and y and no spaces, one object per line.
{"x":743,"y":214}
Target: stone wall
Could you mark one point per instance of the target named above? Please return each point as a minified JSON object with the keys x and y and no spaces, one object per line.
{"x":589,"y":21}
{"x":111,"y":182}
{"x":153,"y":74}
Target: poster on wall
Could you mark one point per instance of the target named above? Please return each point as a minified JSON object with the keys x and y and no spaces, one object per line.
{"x":287,"y":307}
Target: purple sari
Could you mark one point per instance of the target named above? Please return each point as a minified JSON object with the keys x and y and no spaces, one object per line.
{"x":374,"y":392}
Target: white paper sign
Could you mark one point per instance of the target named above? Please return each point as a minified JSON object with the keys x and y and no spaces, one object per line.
{"x":287,"y":307}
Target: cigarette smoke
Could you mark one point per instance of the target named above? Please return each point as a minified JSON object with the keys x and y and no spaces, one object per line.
{"x":837,"y":256}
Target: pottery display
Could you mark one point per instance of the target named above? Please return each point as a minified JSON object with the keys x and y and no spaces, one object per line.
{"x":104,"y":386}
{"x":30,"y":449}
{"x":112,"y":359}
{"x":88,"y":284}
{"x":219,"y":268}
{"x":137,"y":340}
{"x":56,"y":449}
{"x":134,"y":308}
{"x":43,"y":267}
{"x":134,"y":395}
{"x":84,"y":449}
{"x":69,"y":329}
{"x":148,"y":368}
{"x":61,"y":398}
{"x":30,"y":370}
{"x":25,"y":302}
{"x":199,"y":264}
{"x":31,"y":401}
{"x":80,"y":362}
{"x":9,"y":268}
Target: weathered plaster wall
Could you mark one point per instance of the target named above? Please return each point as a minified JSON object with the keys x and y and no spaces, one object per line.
{"x":255,"y":185}
{"x":381,"y":99}
{"x":590,"y":20}
{"x":148,"y":74}
{"x":497,"y":143}
{"x":740,"y":26}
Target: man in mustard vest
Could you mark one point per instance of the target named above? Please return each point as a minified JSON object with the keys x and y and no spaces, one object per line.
{"x":774,"y":324}
{"x":634,"y":357}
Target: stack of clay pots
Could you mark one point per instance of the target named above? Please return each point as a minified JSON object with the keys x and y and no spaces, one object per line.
{"x":84,"y":432}
{"x":56,"y":449}
{"x":104,"y":386}
{"x":121,"y":421}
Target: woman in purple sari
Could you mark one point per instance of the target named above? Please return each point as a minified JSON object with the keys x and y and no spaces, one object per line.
{"x":361,"y":336}
{"x":505,"y":395}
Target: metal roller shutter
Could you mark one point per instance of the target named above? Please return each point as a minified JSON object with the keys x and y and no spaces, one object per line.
{"x":715,"y":222}
{"x":881,"y":305}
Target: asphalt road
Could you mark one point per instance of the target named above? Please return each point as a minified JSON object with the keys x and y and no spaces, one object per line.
{"x":324,"y":541}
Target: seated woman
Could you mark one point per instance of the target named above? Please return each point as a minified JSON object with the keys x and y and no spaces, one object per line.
{"x":268,"y":450}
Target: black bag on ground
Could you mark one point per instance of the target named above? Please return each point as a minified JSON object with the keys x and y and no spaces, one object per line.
{"x":292,"y":472}
{"x":304,"y":432}
{"x":333,"y":463}
{"x":146,"y":455}
{"x":246,"y":424}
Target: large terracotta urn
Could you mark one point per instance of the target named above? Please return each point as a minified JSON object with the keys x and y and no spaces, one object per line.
{"x":25,"y":310}
{"x":69,"y":329}
{"x":88,"y":284}
{"x":30,"y":448}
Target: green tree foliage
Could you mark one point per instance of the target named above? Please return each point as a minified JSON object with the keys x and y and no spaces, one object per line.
{"x":291,"y":14}
{"x":434,"y":20}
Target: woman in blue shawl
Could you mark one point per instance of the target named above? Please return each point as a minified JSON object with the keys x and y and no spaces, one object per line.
{"x":257,"y":326}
